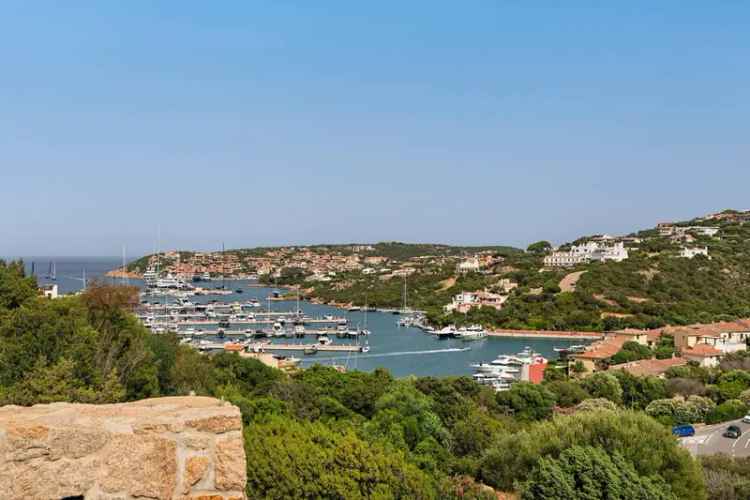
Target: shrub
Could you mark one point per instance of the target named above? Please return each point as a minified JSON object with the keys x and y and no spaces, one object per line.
{"x":596,"y":404}
{"x":603,"y":385}
{"x":527,"y":401}
{"x":728,"y":410}
{"x":567,"y":393}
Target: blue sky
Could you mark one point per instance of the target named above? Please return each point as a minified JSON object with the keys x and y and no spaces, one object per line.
{"x":260,"y":123}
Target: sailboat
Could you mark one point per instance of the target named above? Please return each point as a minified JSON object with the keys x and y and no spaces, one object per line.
{"x":365,"y":331}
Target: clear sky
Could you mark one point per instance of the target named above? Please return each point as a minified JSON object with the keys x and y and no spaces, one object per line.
{"x":260,"y":123}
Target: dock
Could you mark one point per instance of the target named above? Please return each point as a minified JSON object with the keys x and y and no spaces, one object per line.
{"x":241,"y":333}
{"x":545,"y":334}
{"x":319,"y":347}
{"x":214,"y":346}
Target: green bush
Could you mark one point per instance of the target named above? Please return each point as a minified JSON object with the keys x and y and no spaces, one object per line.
{"x":728,"y":410}
{"x":527,"y":401}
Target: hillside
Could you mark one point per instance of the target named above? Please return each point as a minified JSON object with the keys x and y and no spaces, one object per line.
{"x":653,"y":287}
{"x":320,"y":431}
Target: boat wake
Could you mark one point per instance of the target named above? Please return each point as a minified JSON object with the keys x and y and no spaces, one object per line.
{"x":402,"y":353}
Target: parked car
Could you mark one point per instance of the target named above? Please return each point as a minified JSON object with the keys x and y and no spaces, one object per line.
{"x":683,"y":430}
{"x":746,"y":419}
{"x":733,"y":432}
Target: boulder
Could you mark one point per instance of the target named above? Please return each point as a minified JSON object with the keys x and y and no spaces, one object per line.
{"x":163,"y":448}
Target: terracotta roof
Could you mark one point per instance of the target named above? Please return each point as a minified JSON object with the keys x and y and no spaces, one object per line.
{"x":653,"y":334}
{"x":605,"y":348}
{"x":649,"y":366}
{"x":702,"y":350}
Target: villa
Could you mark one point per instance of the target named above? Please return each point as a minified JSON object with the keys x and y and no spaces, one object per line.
{"x":587,"y":252}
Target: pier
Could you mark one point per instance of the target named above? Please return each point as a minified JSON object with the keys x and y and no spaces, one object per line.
{"x":545,"y":334}
{"x":318,"y":347}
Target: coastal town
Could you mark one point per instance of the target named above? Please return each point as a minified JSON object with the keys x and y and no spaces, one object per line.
{"x":375,"y":251}
{"x":490,"y":285}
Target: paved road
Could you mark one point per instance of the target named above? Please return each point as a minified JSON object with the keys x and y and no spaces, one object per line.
{"x":708,"y":440}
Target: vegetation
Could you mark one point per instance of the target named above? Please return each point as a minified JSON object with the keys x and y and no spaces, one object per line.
{"x":320,"y":433}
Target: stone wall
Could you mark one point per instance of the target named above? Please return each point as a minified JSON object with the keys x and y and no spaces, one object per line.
{"x":162,"y":448}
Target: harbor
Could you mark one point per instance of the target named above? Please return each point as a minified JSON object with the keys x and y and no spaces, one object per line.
{"x":403,"y":350}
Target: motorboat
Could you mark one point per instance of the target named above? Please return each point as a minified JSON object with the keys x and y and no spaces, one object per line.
{"x":474,"y":332}
{"x":445,"y":332}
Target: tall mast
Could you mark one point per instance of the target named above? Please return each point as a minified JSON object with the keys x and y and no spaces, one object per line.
{"x":158,"y":248}
{"x":124,"y":266}
{"x":404,"y":305}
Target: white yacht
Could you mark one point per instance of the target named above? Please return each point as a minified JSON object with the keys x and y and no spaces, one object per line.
{"x":446,"y":332}
{"x":474,"y":332}
{"x":150,"y":277}
{"x":506,"y":369}
{"x":169,"y":281}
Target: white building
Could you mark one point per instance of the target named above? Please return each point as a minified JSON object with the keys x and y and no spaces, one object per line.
{"x":462,"y":302}
{"x":50,"y":291}
{"x":689,"y":253}
{"x":465,"y":301}
{"x":587,"y":252}
{"x":471,"y":265}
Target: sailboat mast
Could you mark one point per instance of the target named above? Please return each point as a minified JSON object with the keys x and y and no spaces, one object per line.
{"x":404,"y":304}
{"x":223,"y":269}
{"x":124,"y":266}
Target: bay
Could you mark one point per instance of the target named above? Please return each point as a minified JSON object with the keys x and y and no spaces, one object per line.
{"x":401,"y":350}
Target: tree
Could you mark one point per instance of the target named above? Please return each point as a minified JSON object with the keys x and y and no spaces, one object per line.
{"x":639,"y":439}
{"x":728,"y":410}
{"x":567,"y":393}
{"x":589,"y":473}
{"x":539,"y":247}
{"x":638,"y":392}
{"x":631,"y":351}
{"x":732,"y":383}
{"x":678,"y":411}
{"x":527,"y":401}
{"x":603,"y":385}
{"x":15,"y":287}
{"x":289,"y":459}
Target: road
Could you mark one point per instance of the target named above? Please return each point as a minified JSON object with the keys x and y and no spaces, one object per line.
{"x":708,"y":440}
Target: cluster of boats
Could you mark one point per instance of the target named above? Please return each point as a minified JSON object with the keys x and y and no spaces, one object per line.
{"x":506,"y":369}
{"x":473,"y":332}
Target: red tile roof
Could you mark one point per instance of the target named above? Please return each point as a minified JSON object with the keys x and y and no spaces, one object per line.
{"x":605,"y":348}
{"x":649,"y":366}
{"x":702,"y":351}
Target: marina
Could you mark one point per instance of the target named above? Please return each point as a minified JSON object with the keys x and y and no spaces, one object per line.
{"x":403,"y":350}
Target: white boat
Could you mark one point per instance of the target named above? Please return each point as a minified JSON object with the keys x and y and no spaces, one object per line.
{"x":506,"y":369}
{"x":324,"y":340}
{"x":150,"y":277}
{"x":474,"y":332}
{"x":445,"y":332}
{"x":171,"y":282}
